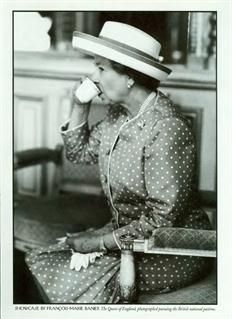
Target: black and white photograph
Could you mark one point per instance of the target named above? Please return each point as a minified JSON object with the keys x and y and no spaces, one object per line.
{"x":114,"y":188}
{"x":115,"y":157}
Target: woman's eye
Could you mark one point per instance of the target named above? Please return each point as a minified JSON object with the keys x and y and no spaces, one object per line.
{"x":101,"y":68}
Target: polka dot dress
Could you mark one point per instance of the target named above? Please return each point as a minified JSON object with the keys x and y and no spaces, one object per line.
{"x":147,"y":169}
{"x":99,"y":283}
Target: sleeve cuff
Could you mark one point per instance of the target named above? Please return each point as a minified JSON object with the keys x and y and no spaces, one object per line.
{"x":116,"y":241}
{"x":63,"y":129}
{"x":110,"y":242}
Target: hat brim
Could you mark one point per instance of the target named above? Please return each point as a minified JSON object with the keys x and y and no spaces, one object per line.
{"x":97,"y":46}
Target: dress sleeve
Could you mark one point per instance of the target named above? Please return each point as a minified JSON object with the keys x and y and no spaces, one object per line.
{"x":81,"y":143}
{"x":169,"y":168}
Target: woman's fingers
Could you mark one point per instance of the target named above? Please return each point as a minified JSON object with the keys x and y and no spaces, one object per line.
{"x":72,"y":234}
{"x":75,"y":86}
{"x":61,"y":240}
{"x":80,"y":233}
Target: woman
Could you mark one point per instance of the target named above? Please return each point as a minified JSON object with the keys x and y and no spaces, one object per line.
{"x":146,"y":155}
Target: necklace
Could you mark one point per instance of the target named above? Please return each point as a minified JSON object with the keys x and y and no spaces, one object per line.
{"x":141,"y":110}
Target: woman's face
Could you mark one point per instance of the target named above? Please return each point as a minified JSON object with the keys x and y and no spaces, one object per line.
{"x":112,"y":84}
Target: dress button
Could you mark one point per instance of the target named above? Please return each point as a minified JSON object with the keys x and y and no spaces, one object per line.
{"x":108,"y":152}
{"x":104,"y":178}
{"x":141,"y":124}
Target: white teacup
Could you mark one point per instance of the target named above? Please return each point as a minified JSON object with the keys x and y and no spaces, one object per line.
{"x":86,"y":91}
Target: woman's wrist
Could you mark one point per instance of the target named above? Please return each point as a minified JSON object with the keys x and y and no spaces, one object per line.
{"x":102,"y":246}
{"x":109,"y":242}
{"x":80,"y":114}
{"x":81,"y":108}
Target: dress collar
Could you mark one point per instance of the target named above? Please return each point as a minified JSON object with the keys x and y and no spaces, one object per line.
{"x":149,"y":101}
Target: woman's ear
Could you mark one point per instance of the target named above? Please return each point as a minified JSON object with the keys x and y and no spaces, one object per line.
{"x":130,"y":82}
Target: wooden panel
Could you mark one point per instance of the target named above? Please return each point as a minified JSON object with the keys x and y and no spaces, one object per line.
{"x":29,"y":124}
{"x":194,"y":117}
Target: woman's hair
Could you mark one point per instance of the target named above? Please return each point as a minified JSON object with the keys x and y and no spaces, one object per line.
{"x":139,"y":78}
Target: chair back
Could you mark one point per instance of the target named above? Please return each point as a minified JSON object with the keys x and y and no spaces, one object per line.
{"x":79,"y":178}
{"x":83,"y":178}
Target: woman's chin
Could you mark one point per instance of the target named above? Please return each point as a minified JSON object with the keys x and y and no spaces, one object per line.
{"x":106,"y":100}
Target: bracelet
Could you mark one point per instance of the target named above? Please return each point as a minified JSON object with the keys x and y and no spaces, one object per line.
{"x":102,"y":245}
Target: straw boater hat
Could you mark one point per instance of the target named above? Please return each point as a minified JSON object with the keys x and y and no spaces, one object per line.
{"x":127,"y":45}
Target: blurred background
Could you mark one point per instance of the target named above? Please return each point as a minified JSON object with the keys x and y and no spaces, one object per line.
{"x":46,"y":67}
{"x":184,"y":35}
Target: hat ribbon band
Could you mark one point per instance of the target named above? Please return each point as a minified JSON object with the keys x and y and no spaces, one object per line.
{"x":127,"y":47}
{"x":124,"y":49}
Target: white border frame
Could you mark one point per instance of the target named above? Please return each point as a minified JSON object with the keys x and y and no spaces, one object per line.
{"x":224,"y":14}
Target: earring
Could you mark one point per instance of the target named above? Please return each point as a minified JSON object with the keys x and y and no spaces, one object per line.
{"x":130,"y":83}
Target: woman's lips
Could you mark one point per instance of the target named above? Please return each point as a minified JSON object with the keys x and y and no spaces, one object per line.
{"x":101,"y":94}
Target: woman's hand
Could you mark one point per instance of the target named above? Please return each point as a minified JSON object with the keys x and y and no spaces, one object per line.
{"x":84,"y":93}
{"x":88,"y":241}
{"x":84,"y":243}
{"x":79,"y":111}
